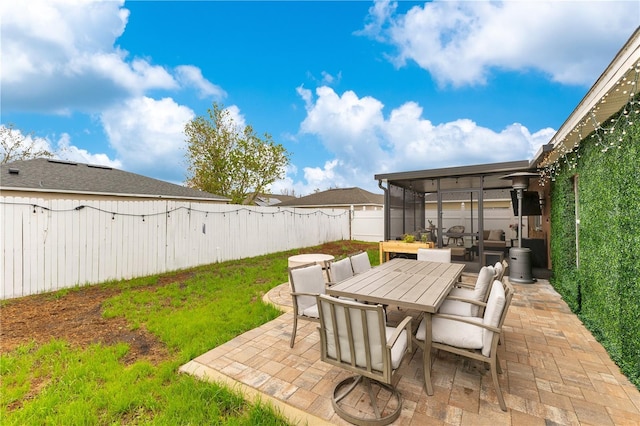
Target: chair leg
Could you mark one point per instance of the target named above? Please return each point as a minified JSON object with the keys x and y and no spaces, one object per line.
{"x":293,"y":333}
{"x":427,"y":369}
{"x":494,"y":375}
{"x":346,"y":412}
{"x":372,"y":397}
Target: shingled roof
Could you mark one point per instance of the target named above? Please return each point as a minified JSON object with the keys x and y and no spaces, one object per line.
{"x":48,"y":175}
{"x":339,"y":197}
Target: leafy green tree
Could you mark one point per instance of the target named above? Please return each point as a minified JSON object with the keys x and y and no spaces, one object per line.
{"x":15,"y":146}
{"x":228,"y":161}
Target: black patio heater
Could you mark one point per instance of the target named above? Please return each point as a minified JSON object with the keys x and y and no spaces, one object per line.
{"x":520,"y":257}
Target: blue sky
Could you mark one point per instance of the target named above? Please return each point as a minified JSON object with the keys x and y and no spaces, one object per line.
{"x":351,"y":89}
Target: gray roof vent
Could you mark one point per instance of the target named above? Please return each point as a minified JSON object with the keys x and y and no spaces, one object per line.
{"x":13,"y":171}
{"x":99,"y":166}
{"x":55,"y":160}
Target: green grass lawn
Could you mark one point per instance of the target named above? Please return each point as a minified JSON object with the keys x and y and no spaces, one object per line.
{"x":57,"y":383}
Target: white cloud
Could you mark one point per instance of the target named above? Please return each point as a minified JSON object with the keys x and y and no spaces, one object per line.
{"x":71,"y":152}
{"x":378,"y":19}
{"x":343,"y":120}
{"x":461,"y":42}
{"x":148,"y":136}
{"x":17,"y":143}
{"x":365,"y":143}
{"x":61,"y":149}
{"x":236,"y":117}
{"x":60,"y":56}
{"x":190,"y":76}
{"x":305,"y":94}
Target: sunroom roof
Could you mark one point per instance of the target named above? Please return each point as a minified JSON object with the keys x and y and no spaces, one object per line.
{"x":486,"y":176}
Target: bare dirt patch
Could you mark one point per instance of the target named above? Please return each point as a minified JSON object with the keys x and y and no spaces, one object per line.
{"x":76,"y":317}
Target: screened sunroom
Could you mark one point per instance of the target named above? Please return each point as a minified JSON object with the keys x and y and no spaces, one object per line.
{"x":469,"y":208}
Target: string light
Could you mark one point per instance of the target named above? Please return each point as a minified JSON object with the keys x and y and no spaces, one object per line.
{"x":189,"y":211}
{"x":569,"y":157}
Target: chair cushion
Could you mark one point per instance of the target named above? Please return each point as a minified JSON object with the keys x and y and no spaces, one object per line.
{"x":457,"y":307}
{"x":464,"y":309}
{"x":341,"y":270}
{"x":493,"y":313}
{"x":485,"y":278}
{"x":398,"y":349}
{"x":311,"y":311}
{"x":360,"y":263}
{"x":453,"y":333}
{"x":495,"y":235}
{"x":309,"y":279}
{"x":434,"y":255}
{"x":498,"y":268}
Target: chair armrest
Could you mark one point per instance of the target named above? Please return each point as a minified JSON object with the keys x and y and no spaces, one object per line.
{"x":467,"y":321}
{"x":465,"y":284}
{"x":299,"y":293}
{"x":470,"y":301}
{"x":467,"y":279}
{"x":404,"y":325}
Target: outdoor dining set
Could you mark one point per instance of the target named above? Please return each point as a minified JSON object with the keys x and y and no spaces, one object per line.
{"x":446,"y":310}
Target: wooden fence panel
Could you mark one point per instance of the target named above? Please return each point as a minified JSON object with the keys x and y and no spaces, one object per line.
{"x":53,"y":244}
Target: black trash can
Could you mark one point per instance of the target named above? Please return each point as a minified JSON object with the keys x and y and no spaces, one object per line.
{"x":520,"y":266}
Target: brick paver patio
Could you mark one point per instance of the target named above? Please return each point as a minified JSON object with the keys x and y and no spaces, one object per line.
{"x":554,"y":372}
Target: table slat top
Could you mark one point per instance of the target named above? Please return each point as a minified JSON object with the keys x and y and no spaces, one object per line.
{"x":407,"y":283}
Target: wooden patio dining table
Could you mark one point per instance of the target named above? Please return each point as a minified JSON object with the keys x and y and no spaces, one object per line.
{"x":406,"y":283}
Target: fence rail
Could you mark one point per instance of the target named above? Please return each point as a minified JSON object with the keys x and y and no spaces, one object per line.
{"x":54,"y":244}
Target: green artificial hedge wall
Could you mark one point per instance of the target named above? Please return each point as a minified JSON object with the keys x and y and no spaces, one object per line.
{"x":604,"y":291}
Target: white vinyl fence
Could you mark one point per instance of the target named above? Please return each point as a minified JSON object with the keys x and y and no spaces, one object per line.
{"x":53,"y":244}
{"x":367,"y":225}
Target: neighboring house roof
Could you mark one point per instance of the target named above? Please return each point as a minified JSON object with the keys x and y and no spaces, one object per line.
{"x":57,"y":176}
{"x":267,"y":200}
{"x":343,"y":197}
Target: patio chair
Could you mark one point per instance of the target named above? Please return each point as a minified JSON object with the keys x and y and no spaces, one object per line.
{"x":435,"y":255}
{"x":360,"y":262}
{"x":501,"y":270}
{"x":339,"y":270}
{"x":469,"y":279}
{"x":306,"y":281}
{"x":453,"y":234}
{"x":456,"y":302}
{"x":475,"y":338}
{"x":354,"y":336}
